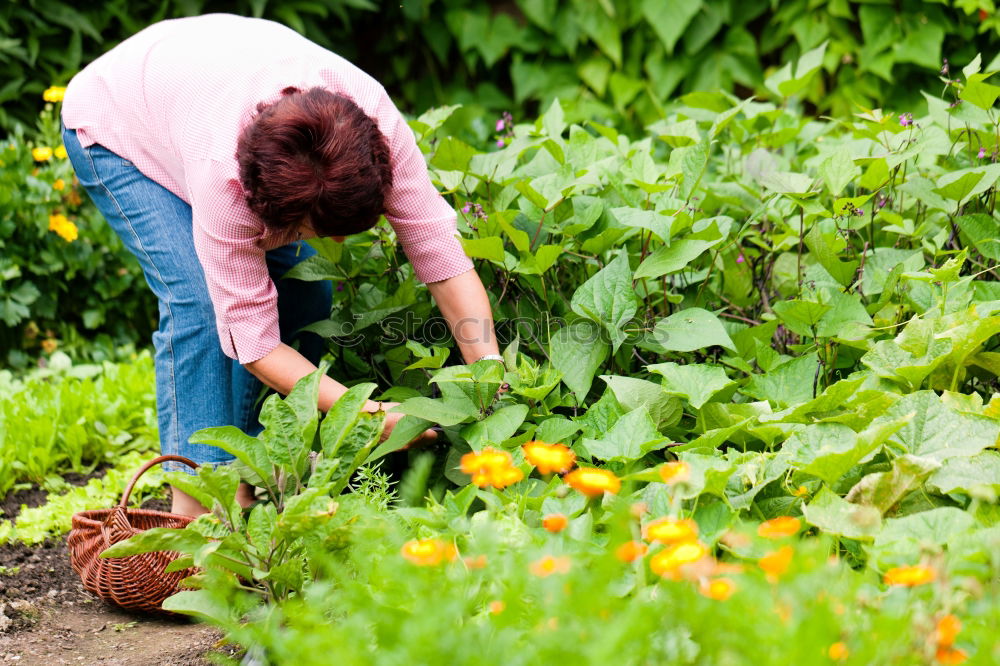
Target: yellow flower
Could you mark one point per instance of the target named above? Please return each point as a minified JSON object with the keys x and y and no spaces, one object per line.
{"x":801,"y":491}
{"x":838,"y":651}
{"x":669,"y":560}
{"x":776,"y":562}
{"x":630,"y":551}
{"x":49,"y":345}
{"x":491,"y":467}
{"x":41,"y":154}
{"x":593,"y":482}
{"x":60,"y":224}
{"x":719,"y":589}
{"x":675,"y":472}
{"x":555,"y":522}
{"x":549,"y":458}
{"x":427,"y":552}
{"x":668,"y":530}
{"x":497,"y":606}
{"x":946,"y":631}
{"x":776,"y":528}
{"x":909,"y":576}
{"x":59,"y":185}
{"x":549,"y":565}
{"x":54,"y":94}
{"x":60,"y":152}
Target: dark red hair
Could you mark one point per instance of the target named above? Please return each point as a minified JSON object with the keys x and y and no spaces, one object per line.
{"x":315,"y":157}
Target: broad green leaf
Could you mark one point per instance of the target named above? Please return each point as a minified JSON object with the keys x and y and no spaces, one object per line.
{"x":630,"y":438}
{"x":672,"y":258}
{"x":801,"y":317}
{"x":248,"y":450}
{"x":691,"y":329}
{"x":669,"y":18}
{"x":490,"y":247}
{"x":697,"y":382}
{"x":632,"y":393}
{"x":934,"y":527}
{"x":405,"y":431}
{"x":577,"y":351}
{"x":205,"y":606}
{"x":790,"y":383}
{"x":930,"y":432}
{"x":709,"y":475}
{"x":452,"y":155}
{"x":822,"y":250}
{"x":553,"y":120}
{"x":979,"y":93}
{"x":883,"y":490}
{"x":437,"y":411}
{"x":356,"y":446}
{"x":156,"y":539}
{"x":983,"y":231}
{"x":496,"y":427}
{"x":609,"y":299}
{"x":342,"y":417}
{"x":957,"y":188}
{"x":644,"y":219}
{"x":834,"y":515}
{"x":969,"y":475}
{"x":838,"y":170}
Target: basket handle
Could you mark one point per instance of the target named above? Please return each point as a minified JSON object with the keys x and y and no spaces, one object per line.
{"x":142,"y":470}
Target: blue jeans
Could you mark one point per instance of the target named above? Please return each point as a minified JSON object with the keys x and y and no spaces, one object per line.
{"x":197,"y":385}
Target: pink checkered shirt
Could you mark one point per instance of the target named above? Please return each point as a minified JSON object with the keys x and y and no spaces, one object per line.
{"x":173,"y":99}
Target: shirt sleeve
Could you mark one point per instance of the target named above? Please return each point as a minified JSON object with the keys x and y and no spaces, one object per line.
{"x":226,"y":235}
{"x":422,"y":219}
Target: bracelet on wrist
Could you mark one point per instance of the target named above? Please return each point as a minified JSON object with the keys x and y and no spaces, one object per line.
{"x":490,"y":357}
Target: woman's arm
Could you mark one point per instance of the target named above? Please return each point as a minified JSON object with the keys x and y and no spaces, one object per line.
{"x":463,"y":302}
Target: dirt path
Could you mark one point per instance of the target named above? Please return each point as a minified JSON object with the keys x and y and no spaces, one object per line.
{"x":47,"y":618}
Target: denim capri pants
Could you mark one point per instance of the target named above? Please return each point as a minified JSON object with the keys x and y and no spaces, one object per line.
{"x":197,"y":385}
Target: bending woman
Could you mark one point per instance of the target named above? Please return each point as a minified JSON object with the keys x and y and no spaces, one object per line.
{"x":213,"y":145}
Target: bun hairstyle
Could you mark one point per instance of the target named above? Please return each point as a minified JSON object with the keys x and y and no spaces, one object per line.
{"x":314,"y":157}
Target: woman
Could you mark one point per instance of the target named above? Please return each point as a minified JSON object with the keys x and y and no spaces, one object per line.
{"x":213,"y":145}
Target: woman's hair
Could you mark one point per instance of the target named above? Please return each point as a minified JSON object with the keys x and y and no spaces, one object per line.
{"x":314,"y":157}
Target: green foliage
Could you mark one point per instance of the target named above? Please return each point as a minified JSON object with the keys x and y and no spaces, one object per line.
{"x":65,"y":277}
{"x":74,"y":419}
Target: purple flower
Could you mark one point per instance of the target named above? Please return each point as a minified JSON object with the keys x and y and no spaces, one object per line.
{"x":982,"y":153}
{"x":858,"y":211}
{"x":882,"y":201}
{"x":340,"y":286}
{"x":500,"y":143}
{"x":467,"y":207}
{"x":740,"y":259}
{"x":500,"y":125}
{"x":906,"y":119}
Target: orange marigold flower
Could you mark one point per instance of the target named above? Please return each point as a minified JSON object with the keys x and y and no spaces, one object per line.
{"x":477,"y":562}
{"x":427,"y":552}
{"x":497,"y":606}
{"x":593,"y":482}
{"x":909,"y":576}
{"x":669,"y":560}
{"x":491,"y":467}
{"x":630,"y":551}
{"x":947,"y":629}
{"x":549,"y":565}
{"x":41,"y":154}
{"x":719,"y":589}
{"x":54,"y":94}
{"x":776,"y":562}
{"x":675,"y":472}
{"x":950,"y":655}
{"x":838,"y":651}
{"x":668,"y":530}
{"x":555,"y":522}
{"x":777,"y":528}
{"x":59,"y":185}
{"x":549,"y":458}
{"x":60,"y":152}
{"x":49,"y":345}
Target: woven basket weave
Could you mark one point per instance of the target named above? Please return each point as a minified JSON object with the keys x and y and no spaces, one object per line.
{"x":136,"y":582}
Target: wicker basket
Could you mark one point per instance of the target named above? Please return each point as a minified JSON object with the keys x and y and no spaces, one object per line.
{"x":136,"y":582}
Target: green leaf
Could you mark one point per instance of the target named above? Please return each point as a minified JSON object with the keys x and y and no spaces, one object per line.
{"x":608,"y":299}
{"x":669,"y":18}
{"x":968,"y":475}
{"x":790,"y":383}
{"x":787,"y":82}
{"x":630,"y":438}
{"x":553,"y":120}
{"x":883,"y":490}
{"x":696,"y":382}
{"x":205,"y":606}
{"x":452,"y":155}
{"x":495,"y":428}
{"x":577,"y":351}
{"x":983,"y":231}
{"x":157,"y":539}
{"x":437,"y":411}
{"x":356,"y":446}
{"x":933,"y":527}
{"x":979,"y":93}
{"x":490,"y":248}
{"x":956,"y":187}
{"x":248,"y":450}
{"x":342,"y":417}
{"x":691,"y":329}
{"x":931,"y":428}
{"x":800,"y":317}
{"x":650,"y":220}
{"x":834,"y":515}
{"x":672,"y":258}
{"x":838,"y":170}
{"x":632,"y":393}
{"x":405,"y":431}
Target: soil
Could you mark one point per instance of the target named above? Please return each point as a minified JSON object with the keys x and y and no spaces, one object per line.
{"x":46,"y":617}
{"x":34,"y":496}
